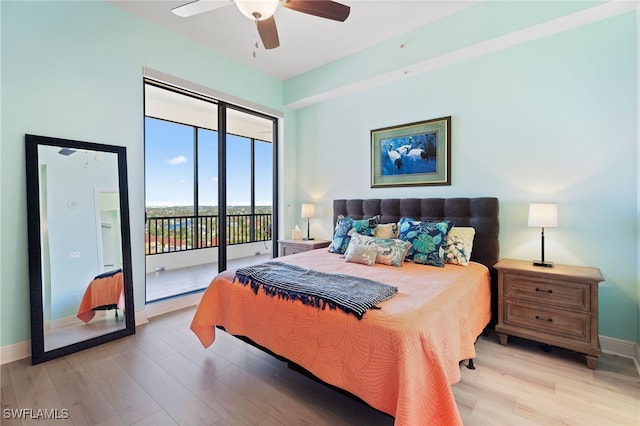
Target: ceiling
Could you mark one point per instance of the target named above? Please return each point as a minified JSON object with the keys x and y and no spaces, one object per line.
{"x":306,"y":42}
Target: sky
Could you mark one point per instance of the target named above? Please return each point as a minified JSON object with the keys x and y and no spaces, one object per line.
{"x":170,"y":163}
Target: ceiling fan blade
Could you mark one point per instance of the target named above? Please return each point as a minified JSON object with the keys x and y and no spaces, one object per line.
{"x":323,"y":8}
{"x":199,"y":6}
{"x":268,"y":33}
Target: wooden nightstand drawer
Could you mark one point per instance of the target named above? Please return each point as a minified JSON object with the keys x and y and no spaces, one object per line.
{"x":557,"y":306}
{"x":289,"y":250}
{"x":567,"y":294}
{"x":289,"y":247}
{"x":573,"y":325}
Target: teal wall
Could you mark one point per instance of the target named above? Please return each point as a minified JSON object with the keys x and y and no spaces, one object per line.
{"x":74,"y":70}
{"x":553,"y":119}
{"x":480,"y":23}
{"x":550,"y":120}
{"x":638,"y":159}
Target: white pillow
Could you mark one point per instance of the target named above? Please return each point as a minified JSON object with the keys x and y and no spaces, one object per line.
{"x":357,"y":253}
{"x":386,"y":230}
{"x":458,"y":245}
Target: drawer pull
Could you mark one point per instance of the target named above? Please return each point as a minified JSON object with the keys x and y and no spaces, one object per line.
{"x":538,"y":317}
{"x":543,"y":291}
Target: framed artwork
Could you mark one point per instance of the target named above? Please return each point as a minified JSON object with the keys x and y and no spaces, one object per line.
{"x":412,"y":154}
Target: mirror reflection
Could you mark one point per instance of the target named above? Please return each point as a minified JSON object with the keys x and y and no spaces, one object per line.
{"x":84,"y":269}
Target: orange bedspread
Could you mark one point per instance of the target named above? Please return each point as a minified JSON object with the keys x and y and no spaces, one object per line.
{"x":100,"y":292}
{"x":401,"y":359}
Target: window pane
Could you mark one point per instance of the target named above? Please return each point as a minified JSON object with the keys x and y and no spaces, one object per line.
{"x":264,"y":173}
{"x":208,"y":220}
{"x":238,"y":172}
{"x":207,"y":172}
{"x":169,"y":168}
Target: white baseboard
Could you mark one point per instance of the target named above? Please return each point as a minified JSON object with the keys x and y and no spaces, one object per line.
{"x":22,"y":349}
{"x":141,"y":317}
{"x":15,"y":352}
{"x":623,"y":348}
{"x":170,"y":305}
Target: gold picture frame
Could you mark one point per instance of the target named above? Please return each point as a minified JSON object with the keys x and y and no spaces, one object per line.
{"x":412,"y":154}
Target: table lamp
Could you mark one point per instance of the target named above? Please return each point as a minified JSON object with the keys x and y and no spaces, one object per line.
{"x":308,"y":211}
{"x":543,"y":215}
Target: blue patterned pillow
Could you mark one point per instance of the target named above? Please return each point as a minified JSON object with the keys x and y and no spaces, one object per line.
{"x":426,"y":239}
{"x":341,"y":235}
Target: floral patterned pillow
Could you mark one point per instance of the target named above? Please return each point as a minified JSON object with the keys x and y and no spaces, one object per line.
{"x":341,"y":235}
{"x":457,"y":245}
{"x":426,"y":238}
{"x":390,"y":251}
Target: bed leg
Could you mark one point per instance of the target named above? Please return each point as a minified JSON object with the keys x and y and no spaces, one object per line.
{"x":469,"y":364}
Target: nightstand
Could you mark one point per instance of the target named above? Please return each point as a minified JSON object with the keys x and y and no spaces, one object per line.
{"x":557,"y":306}
{"x":288,"y":247}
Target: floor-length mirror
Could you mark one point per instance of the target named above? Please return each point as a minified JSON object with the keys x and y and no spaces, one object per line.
{"x":79,"y":245}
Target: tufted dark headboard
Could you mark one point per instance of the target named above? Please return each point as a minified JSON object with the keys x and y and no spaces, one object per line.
{"x":481,"y":213}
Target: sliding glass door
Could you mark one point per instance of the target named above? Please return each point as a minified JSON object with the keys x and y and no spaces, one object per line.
{"x":209,"y":181}
{"x":249,"y":187}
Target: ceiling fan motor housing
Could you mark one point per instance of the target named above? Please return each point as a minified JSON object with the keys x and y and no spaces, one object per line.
{"x":257,"y":10}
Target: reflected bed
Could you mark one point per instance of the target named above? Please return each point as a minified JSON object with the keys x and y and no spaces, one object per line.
{"x":104,"y":292}
{"x":402,"y":358}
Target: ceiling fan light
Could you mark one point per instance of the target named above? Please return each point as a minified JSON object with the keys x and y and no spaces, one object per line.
{"x":257,"y":9}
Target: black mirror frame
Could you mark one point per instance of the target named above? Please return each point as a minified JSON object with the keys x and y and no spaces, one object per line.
{"x":38,"y":354}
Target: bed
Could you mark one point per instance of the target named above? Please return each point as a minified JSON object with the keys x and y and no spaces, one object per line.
{"x":401,"y":358}
{"x":104,"y":292}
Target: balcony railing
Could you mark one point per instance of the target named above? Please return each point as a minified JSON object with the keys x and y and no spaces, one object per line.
{"x":181,"y":233}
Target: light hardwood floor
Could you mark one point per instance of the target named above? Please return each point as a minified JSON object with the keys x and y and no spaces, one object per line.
{"x":163,"y":376}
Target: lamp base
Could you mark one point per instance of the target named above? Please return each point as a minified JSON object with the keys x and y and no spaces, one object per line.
{"x":543,"y":263}
{"x":308,"y":239}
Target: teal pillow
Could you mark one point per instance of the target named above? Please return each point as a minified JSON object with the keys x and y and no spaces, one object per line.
{"x":341,"y":235}
{"x":426,"y":238}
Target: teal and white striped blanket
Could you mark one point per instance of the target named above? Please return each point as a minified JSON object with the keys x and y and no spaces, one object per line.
{"x":319,"y":289}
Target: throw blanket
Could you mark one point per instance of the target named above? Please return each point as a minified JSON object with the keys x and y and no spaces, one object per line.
{"x":107,"y":274}
{"x":319,"y":289}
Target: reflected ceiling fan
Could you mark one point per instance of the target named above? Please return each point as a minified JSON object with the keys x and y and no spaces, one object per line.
{"x":261,"y":11}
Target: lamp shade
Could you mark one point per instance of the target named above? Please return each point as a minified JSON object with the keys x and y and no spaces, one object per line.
{"x":543,"y":215}
{"x":308,"y":210}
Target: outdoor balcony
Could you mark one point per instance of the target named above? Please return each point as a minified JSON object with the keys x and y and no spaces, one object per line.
{"x":182,"y":251}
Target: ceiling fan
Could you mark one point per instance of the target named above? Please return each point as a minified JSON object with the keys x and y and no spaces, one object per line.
{"x":261,"y":11}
